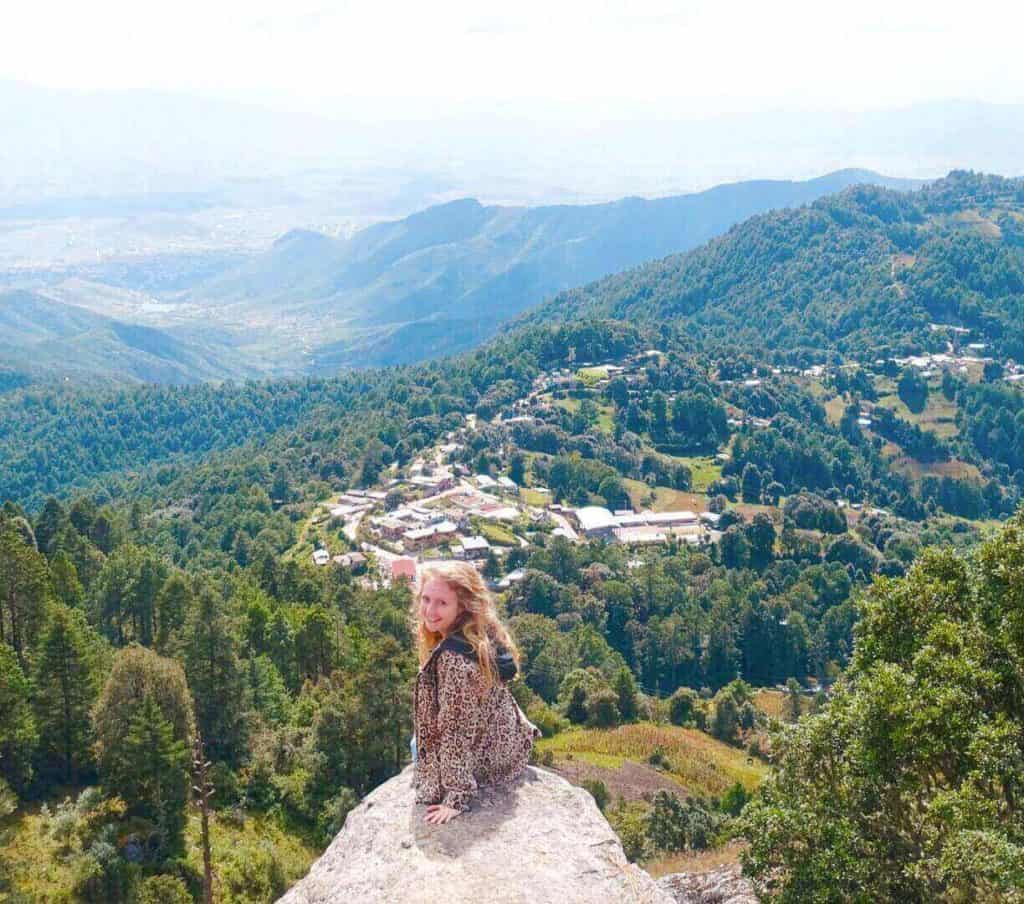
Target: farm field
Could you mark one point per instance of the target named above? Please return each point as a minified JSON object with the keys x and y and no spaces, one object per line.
{"x":702,"y":765}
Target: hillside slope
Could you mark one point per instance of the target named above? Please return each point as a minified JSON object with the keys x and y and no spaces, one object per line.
{"x":444,"y":279}
{"x":42,"y":337}
{"x":867,"y":272}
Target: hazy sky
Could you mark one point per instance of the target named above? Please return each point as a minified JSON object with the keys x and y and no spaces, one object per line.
{"x":539,"y":57}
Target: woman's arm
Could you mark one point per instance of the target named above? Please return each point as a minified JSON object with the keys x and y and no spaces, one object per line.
{"x":460,"y":699}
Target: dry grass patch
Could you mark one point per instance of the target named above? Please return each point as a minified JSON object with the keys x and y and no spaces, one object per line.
{"x":772,"y":702}
{"x":834,"y":409}
{"x":700,"y":763}
{"x":913,"y":469}
{"x":696,"y":861}
{"x":665,"y":498}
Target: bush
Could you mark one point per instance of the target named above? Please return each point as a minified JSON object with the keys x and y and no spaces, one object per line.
{"x":673,"y":824}
{"x":734,"y":800}
{"x":332,"y":816}
{"x":599,"y":791}
{"x":252,"y":873}
{"x":603,"y":709}
{"x":547,"y":719}
{"x":681,"y":706}
{"x":102,"y":875}
{"x":629,"y":823}
{"x":658,"y":758}
{"x":162,"y":890}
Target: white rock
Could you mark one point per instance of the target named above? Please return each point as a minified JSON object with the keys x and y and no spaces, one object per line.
{"x":543,"y":840}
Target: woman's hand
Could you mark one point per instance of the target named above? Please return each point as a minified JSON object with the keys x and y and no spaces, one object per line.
{"x":439,"y":814}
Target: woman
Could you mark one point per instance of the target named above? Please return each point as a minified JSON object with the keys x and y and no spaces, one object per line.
{"x":469,"y":730}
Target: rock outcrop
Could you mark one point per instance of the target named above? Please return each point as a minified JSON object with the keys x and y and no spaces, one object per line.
{"x":724,"y":885}
{"x":543,"y":840}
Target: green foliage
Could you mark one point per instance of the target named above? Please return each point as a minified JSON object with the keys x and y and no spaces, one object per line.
{"x":67,"y":684}
{"x":153,"y":774}
{"x":913,"y":390}
{"x":23,"y":591}
{"x":162,"y":890}
{"x":140,"y":679}
{"x":599,"y":791}
{"x":675,"y":825}
{"x":906,"y":786}
{"x":630,"y":824}
{"x":681,"y":706}
{"x":18,"y":731}
{"x":216,"y":679}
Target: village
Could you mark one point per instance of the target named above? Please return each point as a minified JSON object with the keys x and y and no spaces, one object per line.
{"x":438,"y":508}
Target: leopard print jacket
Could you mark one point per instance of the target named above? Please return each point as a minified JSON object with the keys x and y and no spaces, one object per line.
{"x":467,"y":735}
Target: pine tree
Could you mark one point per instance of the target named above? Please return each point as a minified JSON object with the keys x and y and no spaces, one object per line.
{"x":154,"y":780}
{"x":24,"y":584}
{"x":64,"y":580}
{"x":52,"y":520}
{"x":136,"y":673}
{"x":66,"y":688}
{"x":217,"y":679}
{"x":18,"y":734}
{"x":172,"y":603}
{"x":626,"y":690}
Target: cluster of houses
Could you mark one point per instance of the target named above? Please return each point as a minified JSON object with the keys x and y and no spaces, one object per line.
{"x":641,"y":528}
{"x":447,"y":500}
{"x":933,"y":363}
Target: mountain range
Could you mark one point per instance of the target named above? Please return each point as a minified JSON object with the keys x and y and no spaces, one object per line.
{"x":431,"y":284}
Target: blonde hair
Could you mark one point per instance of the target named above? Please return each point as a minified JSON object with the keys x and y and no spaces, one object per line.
{"x":477,"y":618}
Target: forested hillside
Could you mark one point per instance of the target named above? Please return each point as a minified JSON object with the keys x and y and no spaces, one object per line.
{"x":683,"y":534}
{"x":863,"y":274}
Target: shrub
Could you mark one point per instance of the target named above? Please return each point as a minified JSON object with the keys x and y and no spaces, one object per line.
{"x":332,"y":816}
{"x":681,"y":706}
{"x":599,"y":791}
{"x":547,"y":719}
{"x":658,"y":758}
{"x":162,"y":890}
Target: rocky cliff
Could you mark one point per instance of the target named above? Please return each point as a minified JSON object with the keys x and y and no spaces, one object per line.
{"x":544,"y":840}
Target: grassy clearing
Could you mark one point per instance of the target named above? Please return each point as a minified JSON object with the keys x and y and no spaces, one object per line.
{"x":532,"y":497}
{"x":772,"y":702}
{"x":590,"y":375}
{"x":604,"y":413}
{"x":913,"y":469}
{"x":973,"y":221}
{"x":700,"y":763}
{"x":939,"y":415}
{"x":749,"y":509}
{"x":665,"y":498}
{"x":834,"y":409}
{"x":704,"y":469}
{"x":497,"y":534}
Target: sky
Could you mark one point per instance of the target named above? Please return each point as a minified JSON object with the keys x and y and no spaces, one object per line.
{"x":585,"y":59}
